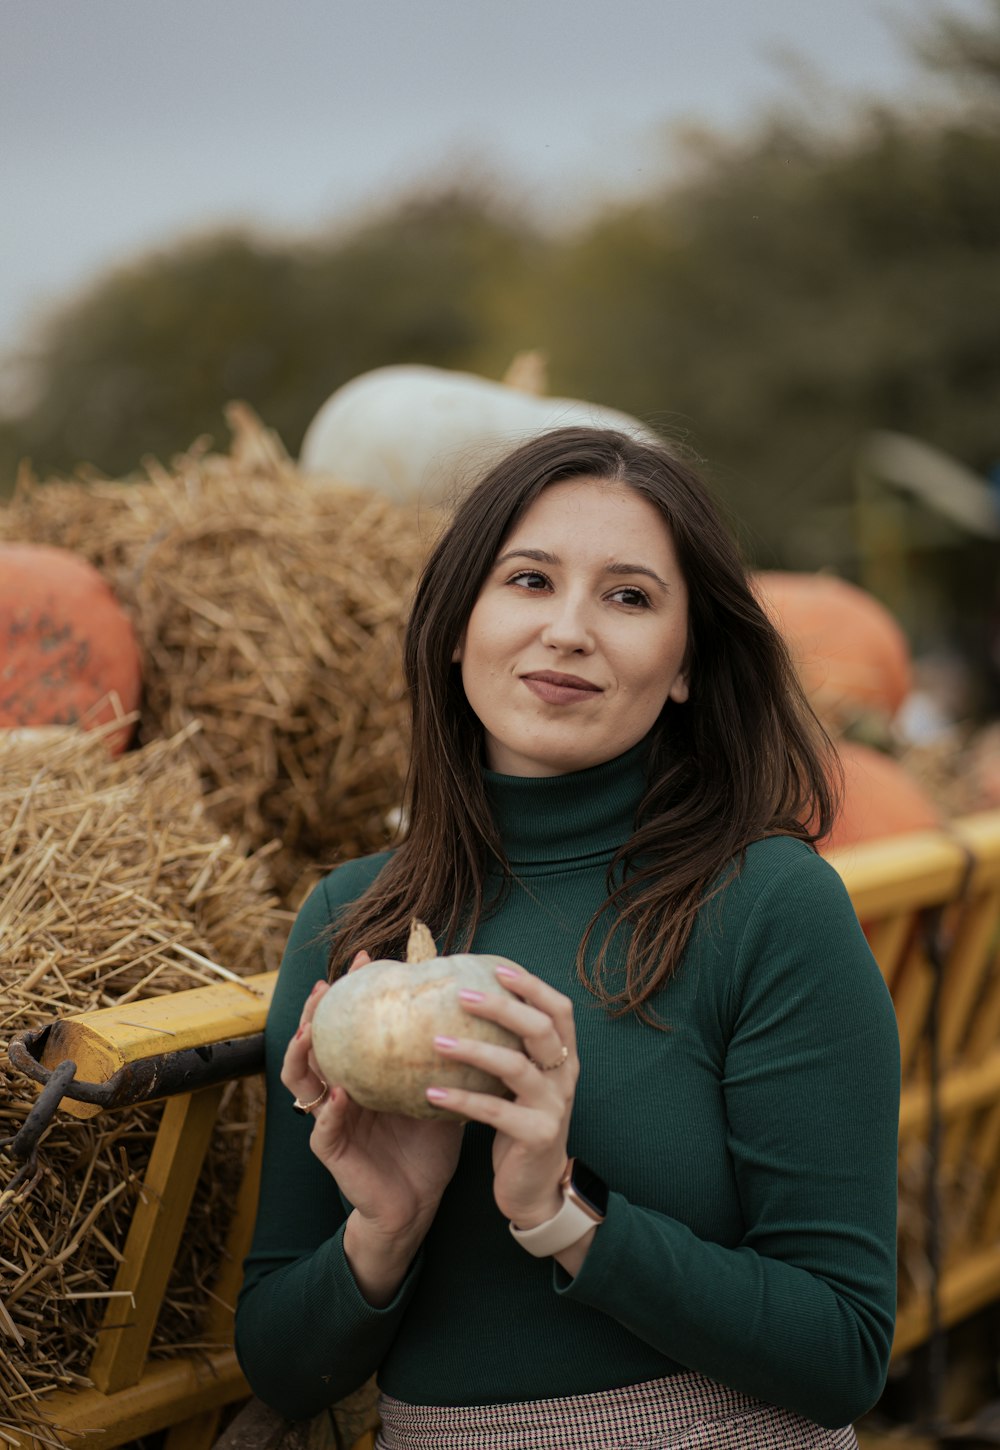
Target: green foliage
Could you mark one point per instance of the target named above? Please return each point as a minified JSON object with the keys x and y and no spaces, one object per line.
{"x":796,"y":293}
{"x":967,"y":49}
{"x":144,"y":362}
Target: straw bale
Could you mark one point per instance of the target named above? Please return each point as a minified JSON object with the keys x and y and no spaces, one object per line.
{"x":110,"y":873}
{"x":270,"y":610}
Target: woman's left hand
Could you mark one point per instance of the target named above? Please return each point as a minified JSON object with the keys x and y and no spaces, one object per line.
{"x":529,"y":1149}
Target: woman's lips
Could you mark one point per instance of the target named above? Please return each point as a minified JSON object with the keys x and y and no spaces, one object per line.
{"x":556,"y":689}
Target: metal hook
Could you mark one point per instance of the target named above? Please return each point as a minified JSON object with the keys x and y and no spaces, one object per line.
{"x":24,"y":1143}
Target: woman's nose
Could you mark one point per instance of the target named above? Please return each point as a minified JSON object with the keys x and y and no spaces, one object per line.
{"x":568,"y":627}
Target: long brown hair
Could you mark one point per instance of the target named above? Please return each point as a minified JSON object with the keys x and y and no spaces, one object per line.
{"x":744,"y":758}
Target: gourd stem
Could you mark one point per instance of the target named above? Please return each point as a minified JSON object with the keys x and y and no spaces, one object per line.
{"x":420,"y":945}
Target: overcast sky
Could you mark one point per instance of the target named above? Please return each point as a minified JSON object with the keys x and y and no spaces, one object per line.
{"x":124,"y":123}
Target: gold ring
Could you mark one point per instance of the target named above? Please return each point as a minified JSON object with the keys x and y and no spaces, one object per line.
{"x":307,"y":1107}
{"x":551,"y":1066}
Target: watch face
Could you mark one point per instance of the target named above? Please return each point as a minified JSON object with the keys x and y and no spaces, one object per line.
{"x":588,"y":1186}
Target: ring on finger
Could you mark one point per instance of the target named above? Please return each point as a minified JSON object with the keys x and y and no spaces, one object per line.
{"x":303,"y":1108}
{"x":551,"y":1066}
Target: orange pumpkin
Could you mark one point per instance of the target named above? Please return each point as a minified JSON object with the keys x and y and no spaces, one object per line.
{"x":66,"y":645}
{"x":850,"y":652}
{"x":880,"y":799}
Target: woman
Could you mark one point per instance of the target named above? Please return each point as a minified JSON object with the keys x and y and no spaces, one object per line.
{"x":681,"y":1227}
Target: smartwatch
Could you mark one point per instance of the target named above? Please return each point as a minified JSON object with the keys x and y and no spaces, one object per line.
{"x":584,"y":1205}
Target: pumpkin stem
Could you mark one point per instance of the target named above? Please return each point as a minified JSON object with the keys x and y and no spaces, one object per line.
{"x":420,"y":946}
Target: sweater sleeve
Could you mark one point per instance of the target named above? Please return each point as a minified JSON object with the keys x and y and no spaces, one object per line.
{"x":800,"y":1312}
{"x":305,"y":1336}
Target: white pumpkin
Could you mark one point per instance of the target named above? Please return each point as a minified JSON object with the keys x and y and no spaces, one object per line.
{"x":422,"y":434}
{"x":373,"y":1031}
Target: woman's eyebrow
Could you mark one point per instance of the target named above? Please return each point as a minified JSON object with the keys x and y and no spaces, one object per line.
{"x":538,"y":555}
{"x":637,"y":569}
{"x":541,"y":556}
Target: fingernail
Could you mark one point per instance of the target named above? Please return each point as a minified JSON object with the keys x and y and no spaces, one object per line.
{"x":446,"y":1042}
{"x":316,"y":988}
{"x":467,"y":994}
{"x":436,"y":1095}
{"x":509,"y":972}
{"x":300,"y":1032}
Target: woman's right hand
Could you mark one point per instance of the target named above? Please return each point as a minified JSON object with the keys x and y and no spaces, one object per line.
{"x":392,"y":1169}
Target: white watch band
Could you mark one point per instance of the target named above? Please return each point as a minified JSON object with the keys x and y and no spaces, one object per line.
{"x":556,"y":1234}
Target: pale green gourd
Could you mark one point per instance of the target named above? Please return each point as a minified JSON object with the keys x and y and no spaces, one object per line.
{"x":373,"y":1031}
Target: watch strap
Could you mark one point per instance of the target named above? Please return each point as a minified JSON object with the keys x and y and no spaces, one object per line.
{"x":567,"y":1227}
{"x":575,"y":1218}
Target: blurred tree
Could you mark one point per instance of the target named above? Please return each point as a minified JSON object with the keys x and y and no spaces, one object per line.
{"x":799,"y":290}
{"x":968,"y":49}
{"x":143,"y":362}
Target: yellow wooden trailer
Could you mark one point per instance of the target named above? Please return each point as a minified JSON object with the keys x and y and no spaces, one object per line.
{"x":930,"y":903}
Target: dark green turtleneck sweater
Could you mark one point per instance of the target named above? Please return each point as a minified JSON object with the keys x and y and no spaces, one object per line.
{"x":750,"y":1150}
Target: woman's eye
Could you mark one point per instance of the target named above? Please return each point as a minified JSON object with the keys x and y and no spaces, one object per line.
{"x":529,"y":579}
{"x":635,"y":598}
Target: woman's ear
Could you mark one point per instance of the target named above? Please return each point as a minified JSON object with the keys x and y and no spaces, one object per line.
{"x":678,"y":691}
{"x":456,"y":654}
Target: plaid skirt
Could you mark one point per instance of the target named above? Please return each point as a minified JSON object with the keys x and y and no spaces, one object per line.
{"x":685,"y":1411}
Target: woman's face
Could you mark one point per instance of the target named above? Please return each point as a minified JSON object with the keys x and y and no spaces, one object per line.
{"x":579,"y":633}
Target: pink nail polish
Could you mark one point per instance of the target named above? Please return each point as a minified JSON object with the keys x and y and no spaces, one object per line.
{"x":467,"y":994}
{"x":510,"y":973}
{"x":446,"y":1042}
{"x":436,"y":1095}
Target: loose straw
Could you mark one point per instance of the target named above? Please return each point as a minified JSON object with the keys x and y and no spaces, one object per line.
{"x":114,"y":885}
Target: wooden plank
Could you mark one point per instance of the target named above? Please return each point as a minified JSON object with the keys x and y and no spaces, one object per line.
{"x":982,"y":1177}
{"x":962,"y":1090}
{"x":969,"y":961}
{"x":219,"y":1316}
{"x":970,"y":1030}
{"x":201,"y":1431}
{"x":912,"y":999}
{"x":989,"y":1226}
{"x":986,"y":927}
{"x":889,"y":938}
{"x":980,"y":834}
{"x":101,"y":1042}
{"x":155,"y":1232}
{"x":170,"y":1390}
{"x":900,"y":873}
{"x":966,"y":1287}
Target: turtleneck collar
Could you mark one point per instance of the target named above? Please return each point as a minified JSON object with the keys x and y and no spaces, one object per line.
{"x":545,"y":821}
